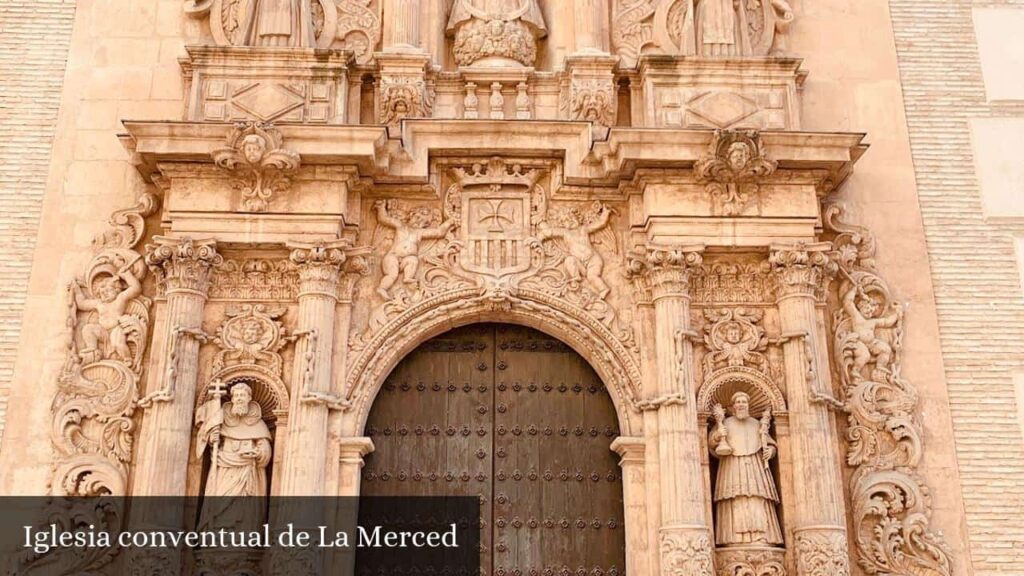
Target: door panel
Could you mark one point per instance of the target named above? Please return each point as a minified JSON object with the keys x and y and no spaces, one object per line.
{"x":518,"y":418}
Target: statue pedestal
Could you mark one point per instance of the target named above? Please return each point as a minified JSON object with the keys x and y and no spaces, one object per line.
{"x":751,"y":559}
{"x":229,"y":84}
{"x":736,"y":93}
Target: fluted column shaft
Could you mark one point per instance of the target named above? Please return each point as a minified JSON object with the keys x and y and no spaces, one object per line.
{"x":305,"y":456}
{"x":183,"y":268}
{"x":819,"y":527}
{"x":401,"y":25}
{"x":684,"y":537}
{"x":591,"y":26}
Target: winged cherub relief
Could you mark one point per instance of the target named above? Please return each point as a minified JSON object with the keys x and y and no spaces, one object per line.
{"x":258,"y":162}
{"x":411,"y":227}
{"x":582,"y":262}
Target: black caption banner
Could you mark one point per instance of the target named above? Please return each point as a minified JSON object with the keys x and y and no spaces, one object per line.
{"x":240,"y":536}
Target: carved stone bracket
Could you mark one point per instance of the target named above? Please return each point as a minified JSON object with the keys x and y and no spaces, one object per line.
{"x":890,"y":502}
{"x":257,"y":162}
{"x":732,"y":169}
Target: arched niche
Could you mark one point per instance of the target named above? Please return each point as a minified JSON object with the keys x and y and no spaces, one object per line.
{"x":613,"y":361}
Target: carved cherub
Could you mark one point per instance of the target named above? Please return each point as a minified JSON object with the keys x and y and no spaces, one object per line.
{"x":865,"y":319}
{"x":105,"y":336}
{"x":582,"y":261}
{"x":411,"y":228}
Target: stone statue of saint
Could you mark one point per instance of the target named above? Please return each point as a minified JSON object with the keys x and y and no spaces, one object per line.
{"x":745,"y":494}
{"x":239,"y":442}
{"x":741,"y":27}
{"x":276,"y":23}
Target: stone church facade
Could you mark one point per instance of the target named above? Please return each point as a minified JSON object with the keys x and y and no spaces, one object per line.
{"x":651,"y":277}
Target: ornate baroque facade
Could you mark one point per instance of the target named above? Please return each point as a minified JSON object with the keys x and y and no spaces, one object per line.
{"x":300,"y":193}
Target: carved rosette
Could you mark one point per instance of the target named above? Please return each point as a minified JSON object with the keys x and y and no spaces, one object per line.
{"x":665,"y":271}
{"x":732,"y":169}
{"x":750,"y":561}
{"x":183,"y":264}
{"x":822,"y":552}
{"x":257,"y":162}
{"x":802,"y":269}
{"x":890,"y":502}
{"x":686,"y":552}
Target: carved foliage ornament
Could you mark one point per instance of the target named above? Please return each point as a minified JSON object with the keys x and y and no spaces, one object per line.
{"x":258,"y":163}
{"x":890,"y":503}
{"x":732,"y":168}
{"x":500,"y":33}
{"x":734,"y":339}
{"x":340,"y":24}
{"x":97,"y":393}
{"x":108,"y":325}
{"x":686,"y":554}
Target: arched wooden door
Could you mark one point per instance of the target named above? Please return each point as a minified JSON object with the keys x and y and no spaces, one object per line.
{"x":520,"y":419}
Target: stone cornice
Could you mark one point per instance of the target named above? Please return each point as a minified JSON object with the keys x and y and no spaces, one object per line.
{"x":404,"y":157}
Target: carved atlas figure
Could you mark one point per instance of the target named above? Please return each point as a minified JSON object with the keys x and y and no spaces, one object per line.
{"x":411,"y":228}
{"x":106,"y":335}
{"x":745,"y":494}
{"x":582,"y":261}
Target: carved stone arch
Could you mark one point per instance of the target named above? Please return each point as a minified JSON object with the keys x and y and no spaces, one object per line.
{"x":268,"y":390}
{"x":587,"y":336}
{"x":720,"y":385}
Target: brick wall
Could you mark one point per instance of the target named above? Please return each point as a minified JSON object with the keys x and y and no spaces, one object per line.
{"x":34,"y":39}
{"x":974,"y":268}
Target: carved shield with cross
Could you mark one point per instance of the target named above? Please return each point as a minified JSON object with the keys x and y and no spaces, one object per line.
{"x":496,"y":228}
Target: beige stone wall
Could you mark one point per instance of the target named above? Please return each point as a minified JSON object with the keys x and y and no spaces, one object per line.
{"x":122,"y":64}
{"x":33,"y":52}
{"x":971,"y":209}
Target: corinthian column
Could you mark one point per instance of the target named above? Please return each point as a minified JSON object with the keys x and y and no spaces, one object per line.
{"x":305,"y":457}
{"x":818,"y":536}
{"x":684,"y":536}
{"x":182,"y":267}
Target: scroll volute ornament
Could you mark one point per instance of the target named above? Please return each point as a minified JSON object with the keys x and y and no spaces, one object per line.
{"x":108,"y":329}
{"x":732,"y":169}
{"x":890,"y":503}
{"x":258,"y":163}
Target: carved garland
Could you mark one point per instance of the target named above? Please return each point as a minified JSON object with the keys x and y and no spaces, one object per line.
{"x":891,"y":506}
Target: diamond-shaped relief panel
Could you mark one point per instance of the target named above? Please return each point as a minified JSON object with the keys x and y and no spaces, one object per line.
{"x":723,"y":109}
{"x":269,"y":102}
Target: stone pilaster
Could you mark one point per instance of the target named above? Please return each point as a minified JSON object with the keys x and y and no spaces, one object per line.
{"x":634,"y":494}
{"x":592,"y":89}
{"x":684,"y":535}
{"x":818,"y":530}
{"x":182,"y":267}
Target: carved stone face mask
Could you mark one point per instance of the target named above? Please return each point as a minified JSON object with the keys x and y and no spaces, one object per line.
{"x":253,"y":148}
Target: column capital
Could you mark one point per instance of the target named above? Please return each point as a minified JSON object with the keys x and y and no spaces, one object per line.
{"x":182,"y":264}
{"x":630,"y":448}
{"x":659,"y":271}
{"x":802,"y":269}
{"x":353,"y":448}
{"x":322,"y":264}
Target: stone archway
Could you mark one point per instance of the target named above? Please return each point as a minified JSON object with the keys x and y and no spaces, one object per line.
{"x":615,"y":363}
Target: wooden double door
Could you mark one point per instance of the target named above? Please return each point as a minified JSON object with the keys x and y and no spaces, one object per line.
{"x":520,"y":420}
